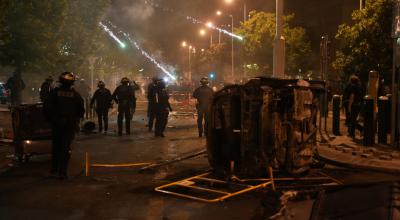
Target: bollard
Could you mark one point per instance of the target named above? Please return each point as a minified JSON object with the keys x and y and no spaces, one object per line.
{"x":389,"y":96}
{"x":336,"y":115}
{"x":369,"y":132}
{"x":383,"y":119}
{"x":86,"y":164}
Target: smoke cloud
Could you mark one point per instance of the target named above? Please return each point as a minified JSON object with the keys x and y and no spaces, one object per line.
{"x":131,"y":11}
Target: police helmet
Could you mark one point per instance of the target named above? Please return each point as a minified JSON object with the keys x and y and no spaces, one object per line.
{"x":67,"y":78}
{"x":155,"y":79}
{"x":161,"y":84}
{"x":204,"y":81}
{"x":49,"y":79}
{"x":125,"y":80}
{"x":101,"y":84}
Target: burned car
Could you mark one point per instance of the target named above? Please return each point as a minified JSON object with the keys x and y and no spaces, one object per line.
{"x":266,"y":122}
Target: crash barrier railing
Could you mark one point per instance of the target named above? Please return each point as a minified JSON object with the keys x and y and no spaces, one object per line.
{"x":89,"y":165}
{"x":221,"y":189}
{"x":374,"y":124}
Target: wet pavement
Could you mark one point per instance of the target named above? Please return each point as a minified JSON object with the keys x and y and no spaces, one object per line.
{"x":26,"y":192}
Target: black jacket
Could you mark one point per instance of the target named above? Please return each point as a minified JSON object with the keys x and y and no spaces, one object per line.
{"x":204,"y":95}
{"x":103,"y":99}
{"x":124,"y":95}
{"x":45,"y":90}
{"x":64,"y":105}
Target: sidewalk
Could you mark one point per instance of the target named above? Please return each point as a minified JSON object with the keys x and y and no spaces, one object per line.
{"x":344,"y":151}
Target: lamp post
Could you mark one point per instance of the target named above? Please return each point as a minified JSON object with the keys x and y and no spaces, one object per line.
{"x":190,"y":65}
{"x":232,"y":53}
{"x":279,"y":44}
{"x":362,"y":4}
{"x":190,"y":50}
{"x":92,"y":60}
{"x":219,"y":13}
{"x":244,"y":8}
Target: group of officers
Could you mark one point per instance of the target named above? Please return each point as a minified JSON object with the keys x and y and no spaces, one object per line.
{"x":64,"y":108}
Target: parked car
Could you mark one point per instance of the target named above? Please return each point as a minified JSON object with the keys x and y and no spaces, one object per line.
{"x":4,"y":94}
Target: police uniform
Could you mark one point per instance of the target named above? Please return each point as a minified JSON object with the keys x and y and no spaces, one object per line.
{"x":204,"y":95}
{"x":134,"y":86}
{"x":162,"y":108}
{"x":15,"y":84}
{"x":152,"y":105}
{"x":102,"y":97}
{"x":64,"y":108}
{"x":124,"y":97}
{"x":45,"y":89}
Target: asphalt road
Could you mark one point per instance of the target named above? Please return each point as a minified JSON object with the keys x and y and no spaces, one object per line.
{"x":26,"y":192}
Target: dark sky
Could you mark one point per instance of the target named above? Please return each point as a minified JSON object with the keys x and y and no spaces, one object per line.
{"x":160,"y":30}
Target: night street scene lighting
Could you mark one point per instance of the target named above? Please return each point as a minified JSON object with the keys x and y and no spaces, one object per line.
{"x":200,"y":109}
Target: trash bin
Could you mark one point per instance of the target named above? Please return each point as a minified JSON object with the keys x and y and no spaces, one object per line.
{"x":30,"y":127}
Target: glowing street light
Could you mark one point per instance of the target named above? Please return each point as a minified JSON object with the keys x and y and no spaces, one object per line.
{"x":184,"y":44}
{"x":229,"y":1}
{"x":219,"y":13}
{"x":209,"y":24}
{"x":202,"y":32}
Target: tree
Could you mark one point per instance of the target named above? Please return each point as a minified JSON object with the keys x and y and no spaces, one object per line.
{"x":216,"y":59}
{"x":30,"y":37}
{"x":259,"y":34}
{"x":82,"y":36}
{"x":49,"y":36}
{"x":367,"y":43}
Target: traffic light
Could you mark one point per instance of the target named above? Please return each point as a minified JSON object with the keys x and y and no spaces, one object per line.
{"x":211,"y":75}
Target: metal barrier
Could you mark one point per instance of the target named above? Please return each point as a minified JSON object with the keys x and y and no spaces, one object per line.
{"x":221,"y":189}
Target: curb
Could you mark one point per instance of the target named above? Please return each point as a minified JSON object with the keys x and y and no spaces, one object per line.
{"x":326,"y":159}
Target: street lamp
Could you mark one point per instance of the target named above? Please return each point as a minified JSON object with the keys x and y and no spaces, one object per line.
{"x":219,"y":13}
{"x":279,"y":47}
{"x":190,"y":50}
{"x":244,"y":8}
{"x":203,"y":33}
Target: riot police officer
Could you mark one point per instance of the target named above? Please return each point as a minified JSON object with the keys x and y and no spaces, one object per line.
{"x":152,"y":104}
{"x":134,"y":87}
{"x":15,"y":84}
{"x":162,"y":108}
{"x":45,"y":88}
{"x":102,"y":97}
{"x":63,"y":108}
{"x":204,"y":95}
{"x":124,"y":97}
